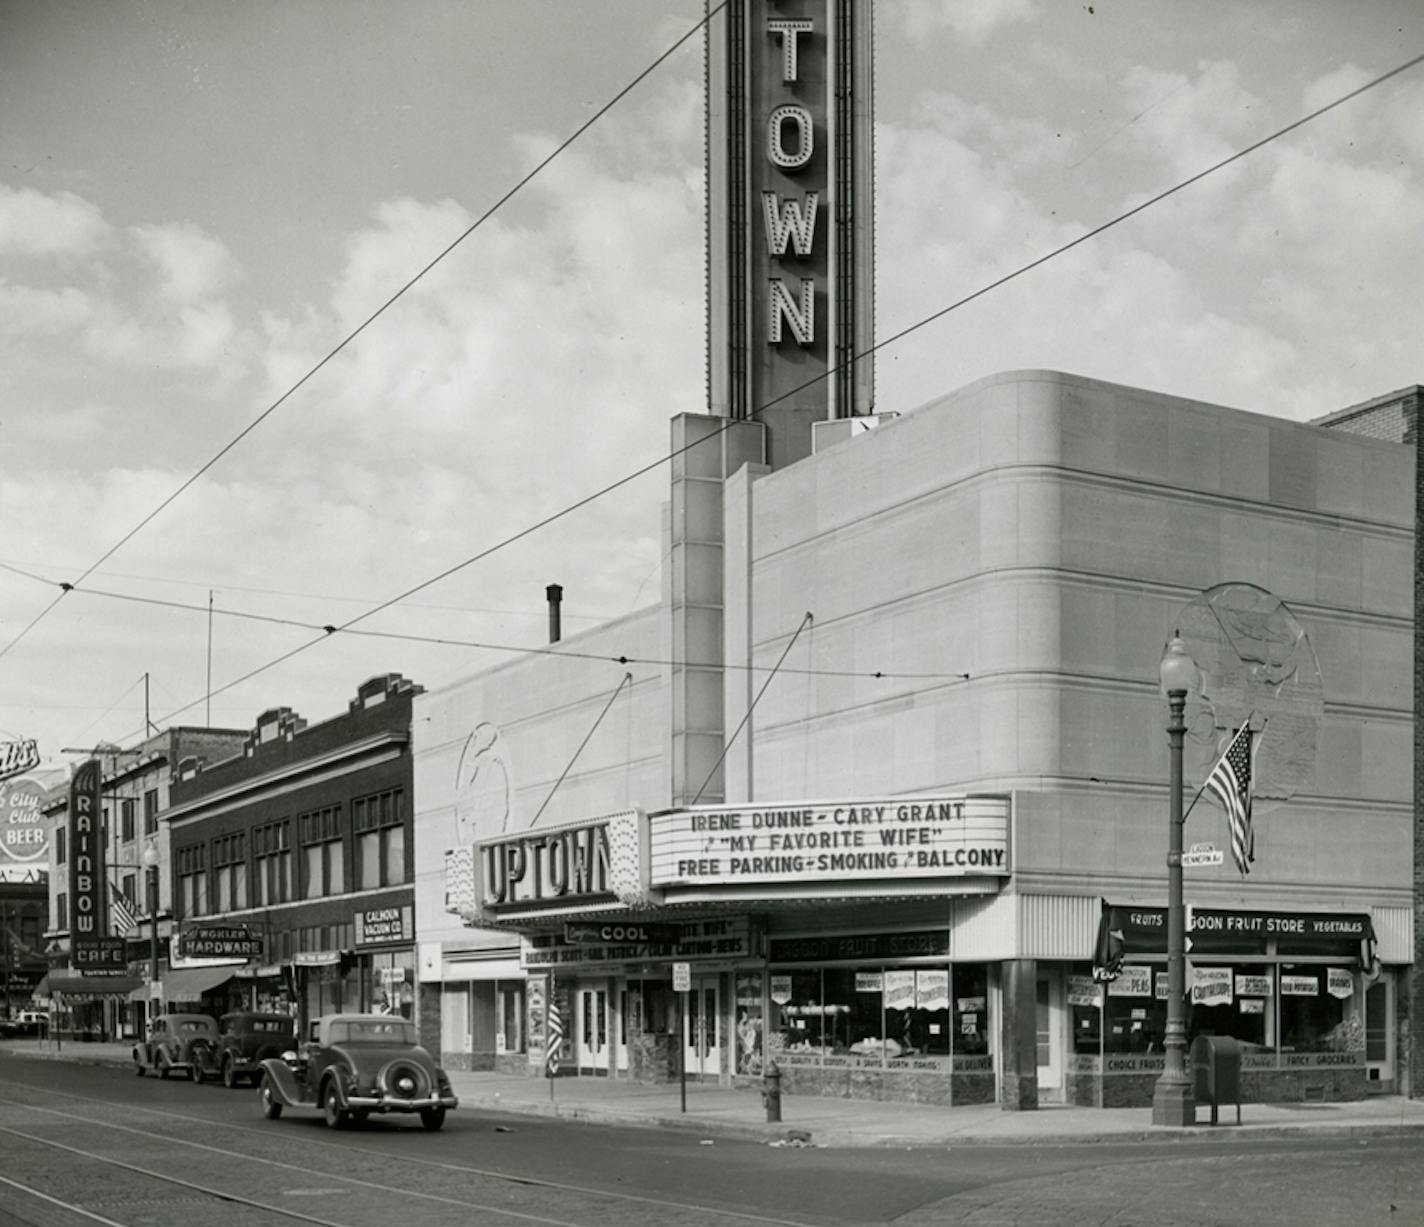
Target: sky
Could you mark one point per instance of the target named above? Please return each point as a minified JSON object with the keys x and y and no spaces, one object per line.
{"x":200,"y":200}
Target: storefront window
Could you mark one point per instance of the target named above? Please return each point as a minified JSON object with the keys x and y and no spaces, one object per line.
{"x":1308,"y":1006}
{"x":1314,"y":1015}
{"x":885,"y":1013}
{"x":971,"y":1009}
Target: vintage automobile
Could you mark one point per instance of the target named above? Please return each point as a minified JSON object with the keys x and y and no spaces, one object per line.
{"x":351,"y":1065}
{"x":168,"y":1046}
{"x":26,"y":1022}
{"x":246,"y":1038}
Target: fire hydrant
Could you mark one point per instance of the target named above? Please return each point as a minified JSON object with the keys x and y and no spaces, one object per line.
{"x":771,"y":1092}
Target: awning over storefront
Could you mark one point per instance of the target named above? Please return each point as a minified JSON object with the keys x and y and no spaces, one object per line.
{"x":75,"y":984}
{"x":1127,"y":930}
{"x":190,"y":983}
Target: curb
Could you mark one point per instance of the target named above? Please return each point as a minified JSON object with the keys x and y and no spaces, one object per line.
{"x":832,"y":1138}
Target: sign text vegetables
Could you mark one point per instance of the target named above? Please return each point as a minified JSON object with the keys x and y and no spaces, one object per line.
{"x":925,"y":837}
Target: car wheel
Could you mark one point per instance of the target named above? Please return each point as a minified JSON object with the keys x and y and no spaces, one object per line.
{"x":432,"y":1118}
{"x":336,"y":1115}
{"x":195,"y":1071}
{"x":229,"y":1076}
{"x":271,"y":1105}
{"x":138,"y":1067}
{"x":164,"y":1069}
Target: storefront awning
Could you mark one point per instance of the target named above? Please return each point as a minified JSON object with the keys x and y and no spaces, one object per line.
{"x":190,"y":983}
{"x":1127,"y":930}
{"x":75,"y":984}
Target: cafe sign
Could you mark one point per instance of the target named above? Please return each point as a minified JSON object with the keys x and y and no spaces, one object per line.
{"x":87,"y":918}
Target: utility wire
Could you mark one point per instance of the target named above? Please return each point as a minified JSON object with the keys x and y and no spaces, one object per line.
{"x":366,"y":323}
{"x":485,"y":645}
{"x":627,"y":681}
{"x":726,"y":749}
{"x":898,"y":336}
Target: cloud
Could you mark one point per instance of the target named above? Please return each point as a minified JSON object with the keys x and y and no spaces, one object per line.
{"x":191,"y":265}
{"x":34,"y":224}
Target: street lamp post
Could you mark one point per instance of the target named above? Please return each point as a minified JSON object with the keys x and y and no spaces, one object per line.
{"x":1173,"y":1101}
{"x":150,"y":861}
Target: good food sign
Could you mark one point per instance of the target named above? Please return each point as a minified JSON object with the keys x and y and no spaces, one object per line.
{"x":892,"y":838}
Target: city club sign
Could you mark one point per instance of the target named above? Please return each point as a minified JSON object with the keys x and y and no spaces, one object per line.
{"x":24,"y":840}
{"x":884,"y":839}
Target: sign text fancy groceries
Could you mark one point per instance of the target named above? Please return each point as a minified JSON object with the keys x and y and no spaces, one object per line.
{"x":942,"y":837}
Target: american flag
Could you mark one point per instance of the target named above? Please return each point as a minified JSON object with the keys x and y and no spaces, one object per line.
{"x":1230,"y":783}
{"x":123,"y":922}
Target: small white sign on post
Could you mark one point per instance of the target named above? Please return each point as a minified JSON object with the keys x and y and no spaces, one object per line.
{"x":1214,"y":857}
{"x":681,"y":977}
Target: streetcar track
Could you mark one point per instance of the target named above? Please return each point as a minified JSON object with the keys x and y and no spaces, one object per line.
{"x":611,"y":1196}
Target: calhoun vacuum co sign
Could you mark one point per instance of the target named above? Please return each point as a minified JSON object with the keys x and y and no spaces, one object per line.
{"x":935,"y":837}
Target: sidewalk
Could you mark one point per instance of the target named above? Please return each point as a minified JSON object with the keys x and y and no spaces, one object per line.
{"x":717,"y":1112}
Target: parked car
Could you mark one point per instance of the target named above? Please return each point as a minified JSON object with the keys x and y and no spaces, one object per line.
{"x":246,"y":1038}
{"x":26,"y":1022}
{"x":351,"y":1065}
{"x":168,"y":1046}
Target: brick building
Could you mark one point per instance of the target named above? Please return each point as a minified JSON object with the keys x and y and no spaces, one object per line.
{"x":302,"y":843}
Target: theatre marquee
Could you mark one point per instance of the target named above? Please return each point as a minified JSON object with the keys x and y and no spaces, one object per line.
{"x":884,"y":839}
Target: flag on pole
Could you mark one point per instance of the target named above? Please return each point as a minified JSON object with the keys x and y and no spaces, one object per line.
{"x":123,"y":921}
{"x":1230,"y":783}
{"x":556,"y":1037}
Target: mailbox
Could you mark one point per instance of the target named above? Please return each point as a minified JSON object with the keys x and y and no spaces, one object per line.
{"x":1217,"y":1063}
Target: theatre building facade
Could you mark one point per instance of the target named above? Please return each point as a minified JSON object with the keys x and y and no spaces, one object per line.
{"x":884,"y":772}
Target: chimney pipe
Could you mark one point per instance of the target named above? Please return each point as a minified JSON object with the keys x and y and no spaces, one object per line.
{"x":555,"y":593}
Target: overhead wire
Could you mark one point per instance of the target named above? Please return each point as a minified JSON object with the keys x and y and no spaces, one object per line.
{"x":484,"y":645}
{"x":366,"y":323}
{"x":1118,"y":219}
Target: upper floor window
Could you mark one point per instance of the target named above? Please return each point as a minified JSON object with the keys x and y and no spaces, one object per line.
{"x":60,"y":832}
{"x":126,"y":820}
{"x":380,"y":839}
{"x":150,"y":811}
{"x":191,"y":868}
{"x":272,"y":864}
{"x":230,"y":873}
{"x":323,"y":862}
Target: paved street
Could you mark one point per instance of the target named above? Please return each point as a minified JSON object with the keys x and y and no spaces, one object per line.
{"x":565,"y":1171}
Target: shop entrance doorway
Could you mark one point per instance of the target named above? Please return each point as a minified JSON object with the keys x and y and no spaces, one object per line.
{"x":591,"y":1029}
{"x":702,"y":1029}
{"x":1379,"y":1034}
{"x":1049,"y":1028}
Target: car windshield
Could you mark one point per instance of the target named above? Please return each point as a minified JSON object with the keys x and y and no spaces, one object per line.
{"x":373,"y":1031}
